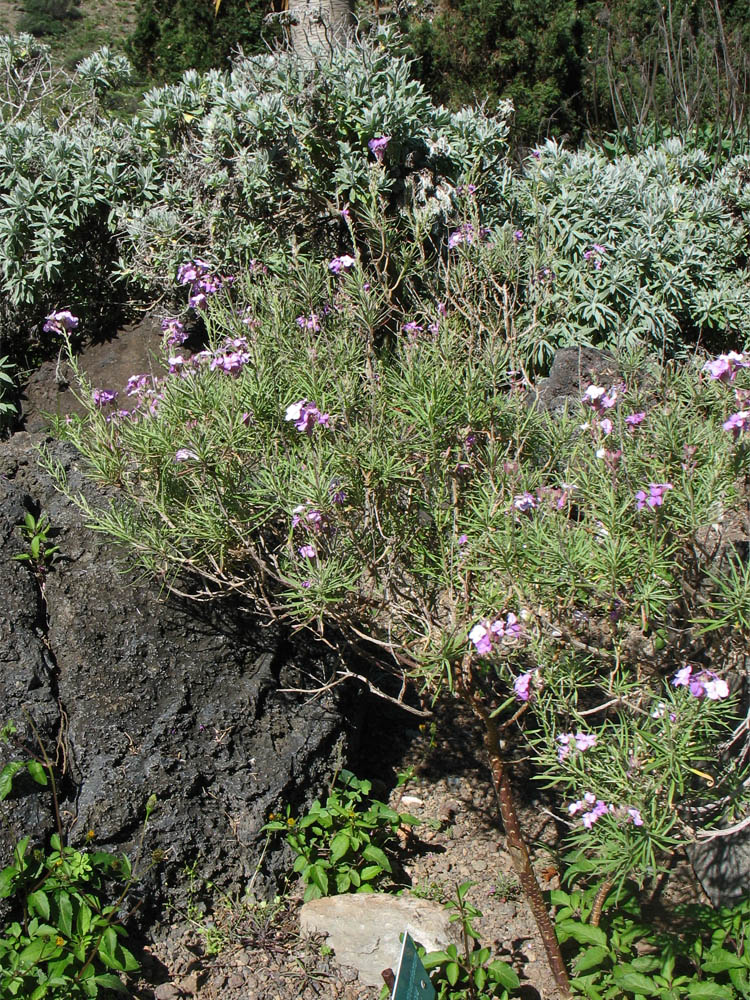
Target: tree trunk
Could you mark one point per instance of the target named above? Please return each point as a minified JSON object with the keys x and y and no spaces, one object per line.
{"x":319,"y":25}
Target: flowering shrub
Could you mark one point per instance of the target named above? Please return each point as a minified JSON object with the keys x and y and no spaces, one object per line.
{"x":570,"y":572}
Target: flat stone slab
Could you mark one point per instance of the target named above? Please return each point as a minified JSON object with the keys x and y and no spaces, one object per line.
{"x":364,"y":929}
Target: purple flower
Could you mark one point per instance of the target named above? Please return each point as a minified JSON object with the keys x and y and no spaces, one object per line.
{"x":584,"y":741}
{"x":378,"y":146}
{"x":737,"y":423}
{"x":176,"y":362}
{"x":307,"y":551}
{"x":305,"y":415}
{"x":342,"y":263}
{"x":191,"y":271}
{"x":480,"y":636}
{"x":412,"y":329}
{"x":466,"y":234}
{"x":581,"y":741}
{"x":311,"y":322}
{"x":682,"y":677}
{"x":337,"y":494}
{"x":655,"y":496}
{"x":136,"y":384}
{"x":606,"y":426}
{"x":345,"y":213}
{"x":704,"y":684}
{"x":522,"y":685}
{"x":635,"y":816}
{"x":463,"y":539}
{"x":600,"y":809}
{"x":518,"y":235}
{"x":60,"y":322}
{"x":599,"y":399}
{"x":184,"y":455}
{"x":595,"y":254}
{"x":633,"y":419}
{"x":102,"y":397}
{"x":197,"y":301}
{"x":724,"y":368}
{"x":525,"y":502}
{"x":174,"y":330}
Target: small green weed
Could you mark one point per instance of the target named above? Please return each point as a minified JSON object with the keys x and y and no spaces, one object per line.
{"x":40,"y":553}
{"x":342,"y":845}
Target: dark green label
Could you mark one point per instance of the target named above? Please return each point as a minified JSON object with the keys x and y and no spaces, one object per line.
{"x":412,"y":981}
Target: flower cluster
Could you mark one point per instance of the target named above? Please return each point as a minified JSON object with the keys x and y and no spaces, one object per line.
{"x":725,"y":367}
{"x":145,"y":388}
{"x":467,"y":233}
{"x":702,"y":684}
{"x":310,"y":518}
{"x":311,"y":322}
{"x":578,"y":741}
{"x":600,"y":399}
{"x":592,"y":809}
{"x":203,"y":282}
{"x":737,"y":423}
{"x":654,"y":497}
{"x":525,"y":502}
{"x":522,"y":685}
{"x":174,"y":331}
{"x":484,"y":634}
{"x":412,"y":329}
{"x":60,"y":322}
{"x":232,"y":356}
{"x":306,"y":415}
{"x":103,"y":397}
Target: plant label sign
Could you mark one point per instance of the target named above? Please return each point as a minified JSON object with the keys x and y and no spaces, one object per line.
{"x":412,"y":981}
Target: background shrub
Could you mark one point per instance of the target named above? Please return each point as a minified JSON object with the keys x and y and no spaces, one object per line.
{"x":171,"y":36}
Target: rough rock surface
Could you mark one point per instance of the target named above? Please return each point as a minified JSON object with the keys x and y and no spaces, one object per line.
{"x":363,"y":929}
{"x":573,"y":370}
{"x":723,"y":867}
{"x":136,"y":695}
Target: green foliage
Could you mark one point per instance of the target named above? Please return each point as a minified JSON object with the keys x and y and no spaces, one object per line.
{"x":172,"y":36}
{"x":470,"y":973}
{"x":60,"y":188}
{"x":343,"y":845}
{"x":573,"y":68}
{"x":532,"y":53}
{"x":67,"y":937}
{"x":40,"y":553}
{"x":47,"y":17}
{"x":671,"y":241}
{"x":64,"y":941}
{"x":703,"y":954}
